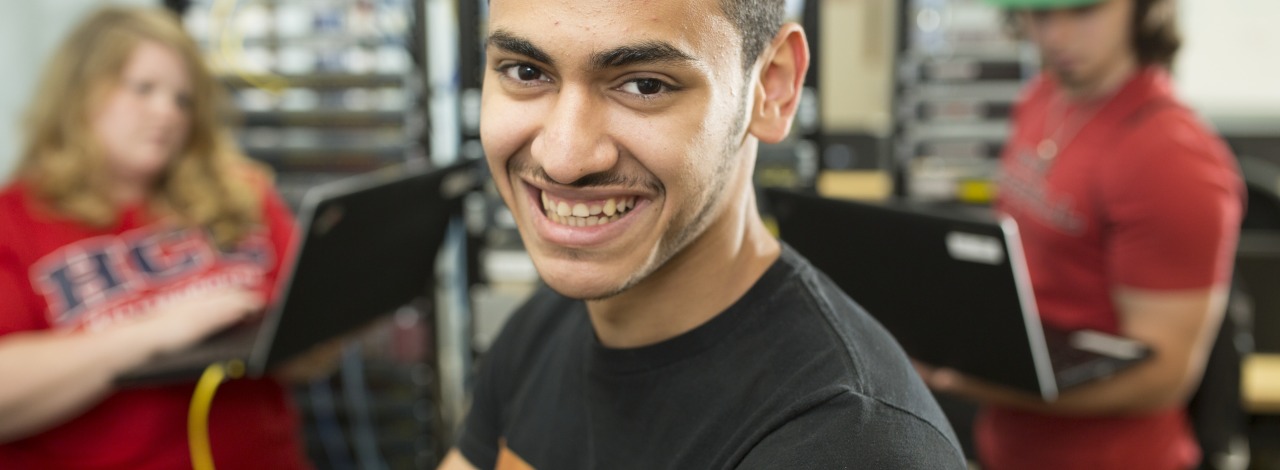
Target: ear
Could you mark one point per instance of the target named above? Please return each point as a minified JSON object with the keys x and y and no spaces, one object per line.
{"x":783,"y":66}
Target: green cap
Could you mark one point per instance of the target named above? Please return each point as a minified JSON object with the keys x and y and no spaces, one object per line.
{"x":1041,"y":4}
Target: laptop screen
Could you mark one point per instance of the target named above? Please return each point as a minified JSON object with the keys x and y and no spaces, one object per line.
{"x":368,"y":246}
{"x":942,"y":282}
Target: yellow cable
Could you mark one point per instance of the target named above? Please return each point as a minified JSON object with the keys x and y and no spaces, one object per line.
{"x":230,"y":45}
{"x":198,"y":414}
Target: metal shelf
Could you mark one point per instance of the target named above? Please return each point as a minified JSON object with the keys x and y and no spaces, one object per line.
{"x":319,"y":80}
{"x":957,"y":79}
{"x":339,"y":118}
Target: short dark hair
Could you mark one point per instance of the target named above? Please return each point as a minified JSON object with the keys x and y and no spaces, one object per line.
{"x":757,"y":21}
{"x":1155,"y":35}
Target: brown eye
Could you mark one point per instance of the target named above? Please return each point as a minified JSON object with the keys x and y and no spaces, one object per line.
{"x":648,"y":86}
{"x":527,"y":73}
{"x":522,"y":73}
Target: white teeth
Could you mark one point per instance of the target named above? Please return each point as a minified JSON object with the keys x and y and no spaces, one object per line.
{"x":574,"y":221}
{"x":583,"y":215}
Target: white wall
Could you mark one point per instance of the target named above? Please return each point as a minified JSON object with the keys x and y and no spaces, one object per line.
{"x":29,"y":31}
{"x":1229,"y":67}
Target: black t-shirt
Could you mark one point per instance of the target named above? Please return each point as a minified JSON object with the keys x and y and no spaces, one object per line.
{"x":792,"y":375}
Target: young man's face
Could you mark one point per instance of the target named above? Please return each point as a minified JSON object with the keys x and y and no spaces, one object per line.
{"x":612,"y":129}
{"x":1079,"y":46}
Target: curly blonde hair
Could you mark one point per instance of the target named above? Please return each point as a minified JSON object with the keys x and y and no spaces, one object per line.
{"x":208,"y":183}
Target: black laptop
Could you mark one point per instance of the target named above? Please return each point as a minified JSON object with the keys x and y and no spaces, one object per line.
{"x":952,"y":287}
{"x":367,"y":246}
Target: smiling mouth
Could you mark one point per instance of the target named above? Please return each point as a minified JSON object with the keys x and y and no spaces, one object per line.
{"x":586,"y":213}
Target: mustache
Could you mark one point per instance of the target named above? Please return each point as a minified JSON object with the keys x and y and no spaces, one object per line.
{"x":606,"y":179}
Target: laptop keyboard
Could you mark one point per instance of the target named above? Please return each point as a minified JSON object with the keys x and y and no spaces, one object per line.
{"x":1065,"y":356}
{"x":235,"y":343}
{"x":1074,"y":365}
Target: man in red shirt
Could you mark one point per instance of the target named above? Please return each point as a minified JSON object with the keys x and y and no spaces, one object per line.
{"x":1128,"y":208}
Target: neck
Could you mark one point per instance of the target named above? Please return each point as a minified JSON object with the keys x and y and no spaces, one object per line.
{"x":1105,"y":83}
{"x":698,"y":283}
{"x":128,"y":191}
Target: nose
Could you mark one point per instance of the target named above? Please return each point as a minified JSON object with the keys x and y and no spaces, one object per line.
{"x":573,"y":141}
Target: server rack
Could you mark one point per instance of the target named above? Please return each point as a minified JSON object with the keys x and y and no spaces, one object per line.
{"x":958,"y":74}
{"x":323,"y":90}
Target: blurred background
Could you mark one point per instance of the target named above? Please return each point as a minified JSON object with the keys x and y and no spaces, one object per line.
{"x":907,"y":98}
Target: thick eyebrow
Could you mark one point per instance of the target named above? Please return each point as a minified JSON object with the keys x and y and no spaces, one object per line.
{"x":648,"y":52}
{"x":518,"y":45}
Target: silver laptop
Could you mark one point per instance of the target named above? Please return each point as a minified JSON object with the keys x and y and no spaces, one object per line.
{"x":367,"y":246}
{"x":951,"y":286}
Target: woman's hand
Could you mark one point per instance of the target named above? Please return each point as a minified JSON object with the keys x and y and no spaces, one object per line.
{"x":179,"y":324}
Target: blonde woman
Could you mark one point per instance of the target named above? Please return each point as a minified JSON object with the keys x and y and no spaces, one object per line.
{"x":132,"y":227}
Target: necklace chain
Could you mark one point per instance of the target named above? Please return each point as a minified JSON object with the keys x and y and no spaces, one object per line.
{"x":1052,"y":145}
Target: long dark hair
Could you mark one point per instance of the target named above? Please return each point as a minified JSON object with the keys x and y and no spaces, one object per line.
{"x":1155,"y":35}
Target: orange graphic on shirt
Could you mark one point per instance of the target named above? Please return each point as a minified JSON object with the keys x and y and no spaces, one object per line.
{"x":508,"y":460}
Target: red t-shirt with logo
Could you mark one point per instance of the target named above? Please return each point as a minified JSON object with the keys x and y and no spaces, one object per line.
{"x":1141,"y":195}
{"x":58,"y":274}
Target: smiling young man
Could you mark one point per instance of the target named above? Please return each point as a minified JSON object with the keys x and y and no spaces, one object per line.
{"x":676,"y":332}
{"x":1129,"y":210}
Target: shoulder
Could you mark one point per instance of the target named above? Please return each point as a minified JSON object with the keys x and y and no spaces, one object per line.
{"x":1170,"y":144}
{"x":1167,"y":123}
{"x":537,"y":338}
{"x":1155,"y":125}
{"x":542,"y":318}
{"x":273,"y":206}
{"x":12,"y":189}
{"x":257,"y":175}
{"x":15,"y":211}
{"x":12,"y":213}
{"x":853,"y":429}
{"x":874,"y":365}
{"x":11,"y":204}
{"x":13,"y":198}
{"x":260,"y":181}
{"x":863,"y":341}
